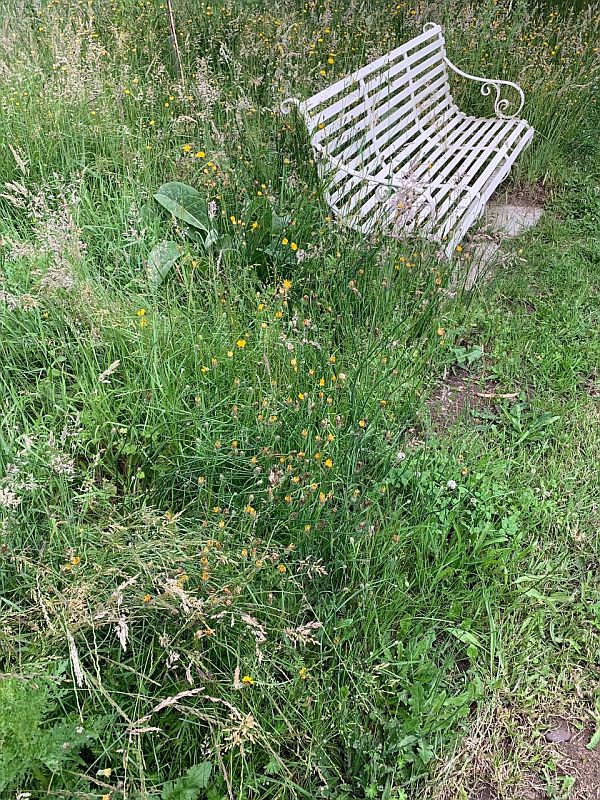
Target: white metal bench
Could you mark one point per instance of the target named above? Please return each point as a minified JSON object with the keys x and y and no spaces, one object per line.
{"x":396,"y":152}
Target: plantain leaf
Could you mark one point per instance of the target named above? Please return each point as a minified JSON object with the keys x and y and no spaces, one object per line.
{"x":160,"y":261}
{"x":184,"y":203}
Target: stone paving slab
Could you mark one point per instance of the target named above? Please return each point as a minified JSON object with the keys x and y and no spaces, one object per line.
{"x":501,"y":221}
{"x":510,"y":220}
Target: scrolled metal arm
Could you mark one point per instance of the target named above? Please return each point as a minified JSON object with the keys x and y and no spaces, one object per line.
{"x":286,"y":105}
{"x":501,"y":104}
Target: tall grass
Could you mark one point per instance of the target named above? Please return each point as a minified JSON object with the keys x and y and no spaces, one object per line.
{"x":222,"y":538}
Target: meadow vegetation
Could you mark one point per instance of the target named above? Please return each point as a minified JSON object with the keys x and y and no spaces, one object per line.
{"x":240,"y":555}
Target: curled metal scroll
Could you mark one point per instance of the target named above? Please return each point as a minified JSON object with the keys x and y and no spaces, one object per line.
{"x":286,"y":105}
{"x":501,"y":104}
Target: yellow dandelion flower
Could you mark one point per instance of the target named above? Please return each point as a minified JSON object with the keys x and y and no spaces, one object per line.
{"x":328,"y":463}
{"x":294,"y":246}
{"x":186,"y":147}
{"x":241,"y":343}
{"x":285,"y":241}
{"x":147,"y":598}
{"x":281,"y":568}
{"x":247,"y":680}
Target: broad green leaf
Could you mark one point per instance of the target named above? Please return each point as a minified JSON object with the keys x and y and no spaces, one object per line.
{"x":189,"y":786}
{"x":466,"y":637}
{"x":193,"y":234}
{"x":211,"y":239}
{"x":594,"y":741}
{"x":160,"y":261}
{"x":185,"y":203}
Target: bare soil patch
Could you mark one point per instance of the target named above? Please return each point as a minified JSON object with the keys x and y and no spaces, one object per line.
{"x":509,"y":753}
{"x":459,"y":393}
{"x":535,"y":194}
{"x":582,"y":764}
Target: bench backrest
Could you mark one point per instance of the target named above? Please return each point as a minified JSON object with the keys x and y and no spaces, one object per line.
{"x":382,"y":105}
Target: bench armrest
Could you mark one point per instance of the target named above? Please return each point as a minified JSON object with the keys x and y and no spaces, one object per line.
{"x":501,"y":105}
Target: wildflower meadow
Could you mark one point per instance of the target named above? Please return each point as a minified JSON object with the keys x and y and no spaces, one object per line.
{"x":285,"y":511}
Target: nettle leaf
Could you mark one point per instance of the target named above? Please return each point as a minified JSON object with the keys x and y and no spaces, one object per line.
{"x":189,"y":786}
{"x":161,"y":259}
{"x":184,"y":203}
